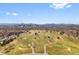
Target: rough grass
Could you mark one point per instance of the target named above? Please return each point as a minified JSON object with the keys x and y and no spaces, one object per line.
{"x":57,"y":44}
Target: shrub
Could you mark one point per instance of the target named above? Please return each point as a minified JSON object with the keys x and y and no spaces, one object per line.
{"x":61,"y":32}
{"x":36,"y":33}
{"x":58,"y":37}
{"x":48,"y":36}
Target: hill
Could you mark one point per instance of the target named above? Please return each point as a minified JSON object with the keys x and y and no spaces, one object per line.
{"x":51,"y":39}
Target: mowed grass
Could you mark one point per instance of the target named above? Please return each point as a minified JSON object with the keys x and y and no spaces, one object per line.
{"x":56,"y":44}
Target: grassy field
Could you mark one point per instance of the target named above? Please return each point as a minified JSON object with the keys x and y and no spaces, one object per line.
{"x":42,"y":42}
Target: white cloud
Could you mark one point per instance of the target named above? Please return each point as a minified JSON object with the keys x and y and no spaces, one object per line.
{"x":12,"y":13}
{"x":60,"y":5}
{"x":68,"y":6}
{"x":7,"y":13}
{"x":51,"y":6}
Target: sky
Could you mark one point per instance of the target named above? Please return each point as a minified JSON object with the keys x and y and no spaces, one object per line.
{"x":39,"y":13}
